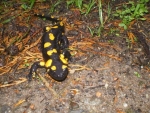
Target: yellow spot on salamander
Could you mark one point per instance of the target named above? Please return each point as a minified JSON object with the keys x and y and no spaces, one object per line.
{"x":50,"y":52}
{"x":64,"y":66}
{"x":52,"y":16}
{"x":53,"y":68}
{"x":51,"y":36}
{"x":47,"y":44}
{"x":42,"y":63}
{"x":61,"y":24}
{"x":48,"y":29}
{"x":54,"y":50}
{"x":63,"y":59}
{"x":48,"y":63}
{"x":55,"y":27}
{"x":62,"y":56}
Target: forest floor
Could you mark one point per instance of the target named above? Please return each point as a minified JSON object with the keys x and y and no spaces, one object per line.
{"x":109,"y":73}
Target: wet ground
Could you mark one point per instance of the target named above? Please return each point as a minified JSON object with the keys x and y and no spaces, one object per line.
{"x":108,"y":73}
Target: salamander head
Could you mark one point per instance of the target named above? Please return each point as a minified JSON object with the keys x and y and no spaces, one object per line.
{"x":59,"y":74}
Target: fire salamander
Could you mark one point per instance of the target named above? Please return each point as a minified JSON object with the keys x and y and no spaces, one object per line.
{"x":54,"y":46}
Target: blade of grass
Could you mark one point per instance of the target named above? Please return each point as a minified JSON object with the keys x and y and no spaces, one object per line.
{"x":32,"y":3}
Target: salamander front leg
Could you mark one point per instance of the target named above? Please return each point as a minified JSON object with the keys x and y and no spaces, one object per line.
{"x":33,"y":69}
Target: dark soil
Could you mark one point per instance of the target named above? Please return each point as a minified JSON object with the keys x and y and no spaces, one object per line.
{"x":108,"y":73}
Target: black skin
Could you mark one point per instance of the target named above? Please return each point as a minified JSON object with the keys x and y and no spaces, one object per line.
{"x":60,"y":43}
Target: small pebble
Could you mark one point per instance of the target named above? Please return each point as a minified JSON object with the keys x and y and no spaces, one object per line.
{"x":125,"y":105}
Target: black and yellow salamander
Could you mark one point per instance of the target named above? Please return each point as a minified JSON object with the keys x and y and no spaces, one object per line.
{"x":54,"y":45}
